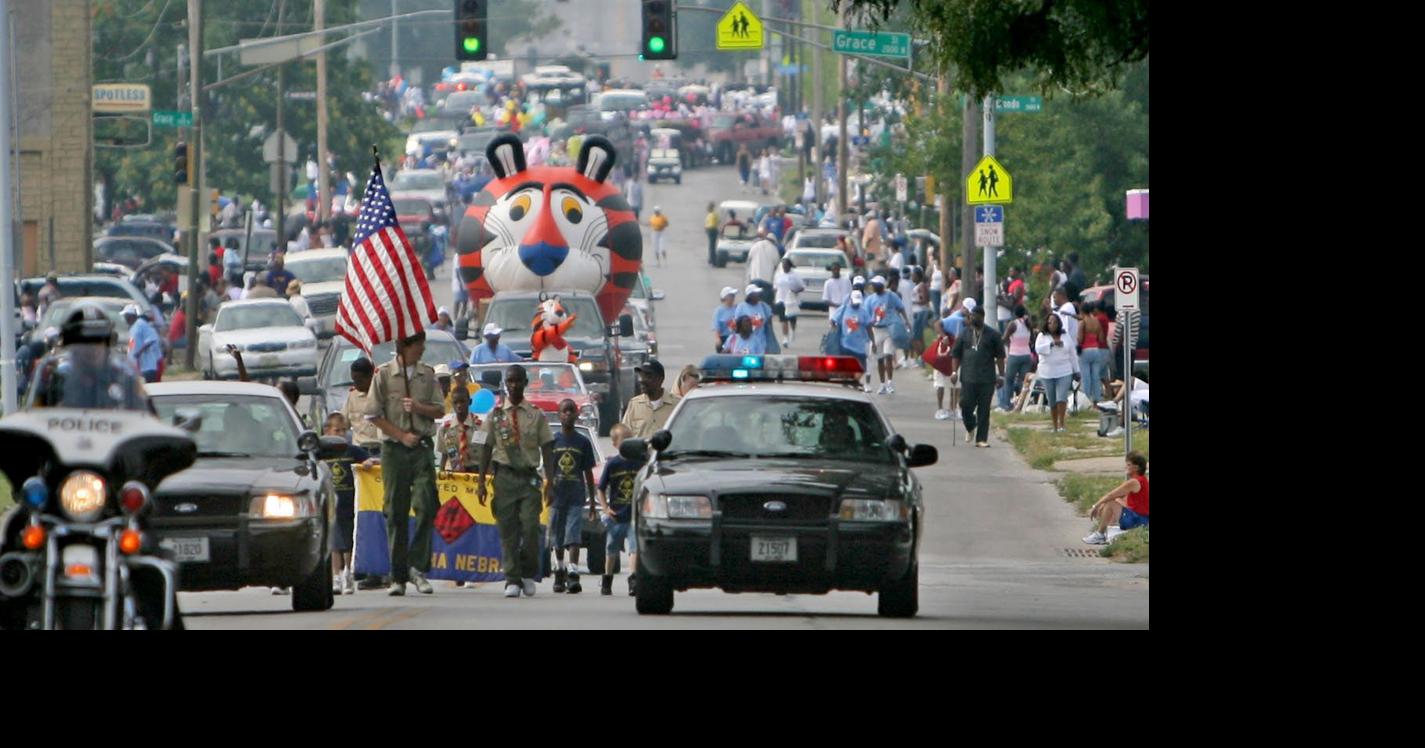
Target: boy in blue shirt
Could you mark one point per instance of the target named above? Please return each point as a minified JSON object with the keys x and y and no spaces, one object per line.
{"x":572,"y":489}
{"x":883,"y":306}
{"x":616,"y":489}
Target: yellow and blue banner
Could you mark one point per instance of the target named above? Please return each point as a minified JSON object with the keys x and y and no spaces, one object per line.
{"x":465,"y":546}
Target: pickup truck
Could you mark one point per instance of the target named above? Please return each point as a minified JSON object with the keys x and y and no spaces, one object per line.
{"x":731,"y":130}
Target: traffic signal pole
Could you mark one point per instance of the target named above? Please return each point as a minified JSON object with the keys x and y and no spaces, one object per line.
{"x":8,"y":376}
{"x":195,"y":81}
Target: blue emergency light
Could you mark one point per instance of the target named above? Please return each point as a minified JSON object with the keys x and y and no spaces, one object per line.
{"x":731,"y":367}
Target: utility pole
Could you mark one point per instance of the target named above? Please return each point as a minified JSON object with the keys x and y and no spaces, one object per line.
{"x":324,"y":207}
{"x":841,"y":155}
{"x":278,"y":220}
{"x":991,"y":253}
{"x":195,"y":92}
{"x":8,"y":376}
{"x":947,"y":222}
{"x":818,"y":108}
{"x":395,"y":44}
{"x":967,"y":227}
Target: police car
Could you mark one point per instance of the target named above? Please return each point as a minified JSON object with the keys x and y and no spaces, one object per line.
{"x":778,"y":474}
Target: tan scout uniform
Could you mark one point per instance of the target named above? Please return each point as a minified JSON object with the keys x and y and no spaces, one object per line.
{"x":364,"y":433}
{"x":407,"y":473}
{"x":645,"y":418}
{"x":517,"y":433}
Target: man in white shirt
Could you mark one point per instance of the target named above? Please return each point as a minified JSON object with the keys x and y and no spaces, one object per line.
{"x":836,"y":291}
{"x":789,"y":286}
{"x":1066,"y":311}
{"x":762,"y":259}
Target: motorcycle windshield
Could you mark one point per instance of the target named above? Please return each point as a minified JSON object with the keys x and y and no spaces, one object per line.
{"x":87,"y":375}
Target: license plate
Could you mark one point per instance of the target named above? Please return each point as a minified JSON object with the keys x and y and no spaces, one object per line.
{"x":777,"y":549}
{"x":187,"y":549}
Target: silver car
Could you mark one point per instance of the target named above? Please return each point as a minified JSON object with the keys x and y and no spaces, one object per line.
{"x":269,"y":333}
{"x":814,"y":268}
{"x":323,"y":276}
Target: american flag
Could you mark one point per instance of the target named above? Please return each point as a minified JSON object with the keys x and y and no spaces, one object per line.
{"x":386,"y":296}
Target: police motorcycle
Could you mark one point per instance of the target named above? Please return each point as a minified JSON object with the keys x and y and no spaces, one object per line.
{"x":85,"y":454}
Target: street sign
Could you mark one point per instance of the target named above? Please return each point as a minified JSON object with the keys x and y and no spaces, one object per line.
{"x":301,"y":95}
{"x":1026,"y":104}
{"x":269,"y":148}
{"x":740,"y":29}
{"x":1125,"y":286}
{"x":902,"y":188}
{"x":121,"y":98}
{"x":989,"y":184}
{"x":267,"y":51}
{"x":162,"y":118}
{"x":871,"y":43}
{"x":989,"y":226}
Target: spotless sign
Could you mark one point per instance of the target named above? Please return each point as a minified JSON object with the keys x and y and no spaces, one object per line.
{"x":122,"y":97}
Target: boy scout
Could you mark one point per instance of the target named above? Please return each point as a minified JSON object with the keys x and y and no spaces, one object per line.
{"x":405,"y":402}
{"x":648,"y":412}
{"x":514,"y":437}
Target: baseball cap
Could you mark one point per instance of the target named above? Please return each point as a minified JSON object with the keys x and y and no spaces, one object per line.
{"x":653,"y":365}
{"x":442,"y":310}
{"x":857,"y":297}
{"x":132,"y":309}
{"x":970,"y":305}
{"x":442,"y":370}
{"x":881,"y":279}
{"x":859,"y":280}
{"x":752,"y":289}
{"x":492,"y":329}
{"x":726,"y":292}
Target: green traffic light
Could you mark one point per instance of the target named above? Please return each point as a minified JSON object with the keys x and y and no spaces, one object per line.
{"x":656,"y":44}
{"x":471,"y":44}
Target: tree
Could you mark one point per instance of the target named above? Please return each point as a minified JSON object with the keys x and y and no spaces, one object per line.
{"x":1074,"y":44}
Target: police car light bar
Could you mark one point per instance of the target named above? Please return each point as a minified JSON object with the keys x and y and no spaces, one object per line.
{"x":735,"y":368}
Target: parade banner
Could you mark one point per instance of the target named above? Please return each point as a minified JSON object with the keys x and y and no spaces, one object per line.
{"x":465,"y":546}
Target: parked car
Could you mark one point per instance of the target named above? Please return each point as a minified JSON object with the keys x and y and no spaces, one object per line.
{"x":813,"y":266}
{"x":273,"y":340}
{"x":264,"y":243}
{"x":323,"y":276}
{"x":91,"y":284}
{"x":329,"y":388}
{"x":129,"y":251}
{"x":253,"y":509}
{"x":55,"y":314}
{"x":142,"y":226}
{"x":642,"y":297}
{"x":425,"y":184}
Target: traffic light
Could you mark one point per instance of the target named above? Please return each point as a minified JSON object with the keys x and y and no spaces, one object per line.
{"x":180,"y":163}
{"x":472,"y":29}
{"x":660,"y":31}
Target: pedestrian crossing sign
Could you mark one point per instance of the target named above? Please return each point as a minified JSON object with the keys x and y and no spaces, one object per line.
{"x":740,"y":29}
{"x":989,"y":184}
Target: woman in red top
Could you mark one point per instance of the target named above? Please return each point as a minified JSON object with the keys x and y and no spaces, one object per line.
{"x":1126,"y":505}
{"x":1093,"y":351}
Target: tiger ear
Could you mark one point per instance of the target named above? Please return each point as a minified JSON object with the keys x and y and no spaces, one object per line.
{"x":506,"y":155}
{"x":596,"y":158}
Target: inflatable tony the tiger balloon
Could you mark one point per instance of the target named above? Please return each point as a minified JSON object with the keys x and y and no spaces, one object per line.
{"x":548,"y":228}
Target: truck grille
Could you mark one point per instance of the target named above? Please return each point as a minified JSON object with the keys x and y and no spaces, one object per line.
{"x":324,"y":304}
{"x":799,"y":508}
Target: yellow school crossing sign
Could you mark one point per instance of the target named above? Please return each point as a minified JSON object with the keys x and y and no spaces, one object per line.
{"x":740,"y":28}
{"x":989,"y":184}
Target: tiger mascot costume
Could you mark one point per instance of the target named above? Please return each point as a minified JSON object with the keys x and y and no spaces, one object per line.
{"x":550,"y":323}
{"x":551,"y":228}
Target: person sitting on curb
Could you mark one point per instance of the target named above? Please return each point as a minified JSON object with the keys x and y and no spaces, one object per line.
{"x":1125,"y":506}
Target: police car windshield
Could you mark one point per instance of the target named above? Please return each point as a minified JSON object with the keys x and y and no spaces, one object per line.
{"x":780,"y":427}
{"x":250,"y":426}
{"x":87,"y":375}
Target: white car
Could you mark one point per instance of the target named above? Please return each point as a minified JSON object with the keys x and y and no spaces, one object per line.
{"x":426,"y":184}
{"x":665,"y":163}
{"x":272,"y":338}
{"x":323,"y":276}
{"x":813,"y":266}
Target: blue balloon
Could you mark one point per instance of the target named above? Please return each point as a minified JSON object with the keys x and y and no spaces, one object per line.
{"x":484,"y":402}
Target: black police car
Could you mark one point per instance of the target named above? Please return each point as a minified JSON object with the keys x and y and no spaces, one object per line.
{"x":778,"y":475}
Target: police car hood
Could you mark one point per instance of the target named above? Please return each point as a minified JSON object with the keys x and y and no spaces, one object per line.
{"x":695,"y":476}
{"x":212,"y":476}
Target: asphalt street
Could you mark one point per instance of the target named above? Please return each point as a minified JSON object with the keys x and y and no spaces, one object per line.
{"x":1000,"y":548}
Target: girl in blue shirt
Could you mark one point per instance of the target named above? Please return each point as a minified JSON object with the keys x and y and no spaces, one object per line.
{"x":744,"y":342}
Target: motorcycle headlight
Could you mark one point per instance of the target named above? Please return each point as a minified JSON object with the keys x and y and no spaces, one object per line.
{"x":282,"y":506}
{"x":873,"y":510}
{"x":82,"y":495}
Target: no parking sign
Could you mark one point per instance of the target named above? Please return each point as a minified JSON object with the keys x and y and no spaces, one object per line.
{"x":1125,"y":284}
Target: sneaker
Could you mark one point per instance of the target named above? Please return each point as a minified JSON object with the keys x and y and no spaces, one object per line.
{"x":512,"y":590}
{"x":574,"y":586}
{"x":969,"y":436}
{"x":607,"y":587}
{"x":281,"y":591}
{"x":559,"y":577}
{"x":890,"y":388}
{"x":1113,"y":532}
{"x":398,"y":589}
{"x":348,"y":585}
{"x":1095,"y":538}
{"x":1116,"y":432}
{"x":528,"y":587}
{"x":336,"y":584}
{"x":942,"y":415}
{"x":982,"y":445}
{"x":786,"y":343}
{"x":422,"y":585}
{"x":882,"y":390}
{"x":632,"y":584}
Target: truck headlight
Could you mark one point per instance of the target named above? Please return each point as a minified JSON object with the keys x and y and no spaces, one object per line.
{"x":282,"y":506}
{"x":593,"y":365}
{"x":81,"y":496}
{"x":873,"y":510}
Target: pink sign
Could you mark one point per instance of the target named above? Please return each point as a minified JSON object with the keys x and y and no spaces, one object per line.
{"x":1137,"y":205}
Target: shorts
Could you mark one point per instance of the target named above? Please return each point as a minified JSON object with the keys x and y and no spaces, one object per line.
{"x":566,"y":525}
{"x":1130,"y":519}
{"x":1057,"y":389}
{"x":943,"y":380}
{"x":785,"y":312}
{"x":615,"y":535}
{"x":882,"y":342}
{"x":344,"y":528}
{"x":461,"y":295}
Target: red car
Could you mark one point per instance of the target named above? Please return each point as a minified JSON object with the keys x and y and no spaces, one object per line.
{"x":549,"y":385}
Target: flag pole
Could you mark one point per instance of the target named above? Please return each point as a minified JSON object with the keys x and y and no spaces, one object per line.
{"x":376,"y":156}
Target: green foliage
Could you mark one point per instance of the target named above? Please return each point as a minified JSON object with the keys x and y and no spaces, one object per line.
{"x":1130,"y":547}
{"x":1078,"y":44}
